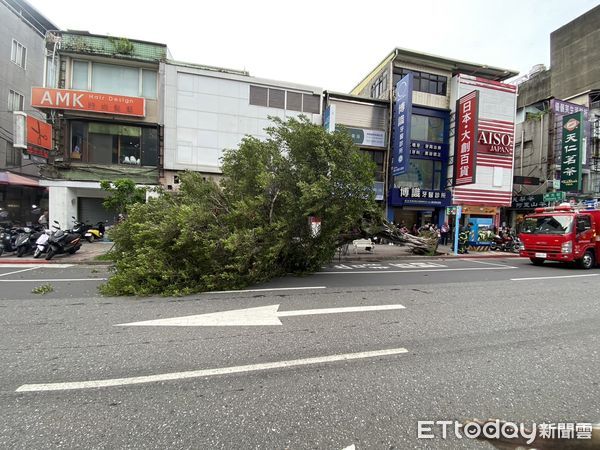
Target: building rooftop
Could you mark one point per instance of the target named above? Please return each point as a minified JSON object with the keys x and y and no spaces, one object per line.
{"x":30,"y":15}
{"x":84,"y":42}
{"x":455,"y":66}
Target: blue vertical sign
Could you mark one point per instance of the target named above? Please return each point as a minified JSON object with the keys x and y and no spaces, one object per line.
{"x":401,"y":125}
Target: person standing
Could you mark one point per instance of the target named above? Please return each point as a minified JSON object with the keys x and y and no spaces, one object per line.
{"x":43,"y":220}
{"x":444,"y":233}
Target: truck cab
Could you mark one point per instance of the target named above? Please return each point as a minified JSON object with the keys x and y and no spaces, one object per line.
{"x":563,"y":234}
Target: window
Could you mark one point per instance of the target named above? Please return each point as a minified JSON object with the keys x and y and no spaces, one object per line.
{"x":422,"y":173}
{"x":16,"y":101}
{"x":149,"y":83}
{"x":107,"y":143}
{"x":311,"y":103}
{"x":276,"y":98}
{"x":258,"y":96}
{"x":80,"y":75}
{"x":423,"y":81}
{"x":294,"y":101}
{"x":379,"y":87}
{"x":426,"y":128}
{"x":18,"y":54}
{"x":13,"y":155}
{"x":113,"y":79}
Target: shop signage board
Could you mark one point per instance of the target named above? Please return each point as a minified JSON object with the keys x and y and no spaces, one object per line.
{"x":558,"y":196}
{"x":401,"y":125}
{"x":406,"y":196}
{"x":47,"y":98}
{"x":366,"y":136}
{"x":572,"y":144}
{"x":530,"y":202}
{"x":465,"y":149}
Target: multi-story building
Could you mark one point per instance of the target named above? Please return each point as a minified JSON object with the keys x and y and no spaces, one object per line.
{"x":546,"y":96}
{"x":420,"y":176}
{"x":209,"y":109}
{"x":23,"y":55}
{"x":103,"y":96}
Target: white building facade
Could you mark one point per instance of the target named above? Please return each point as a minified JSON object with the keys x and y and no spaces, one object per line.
{"x":208,"y":110}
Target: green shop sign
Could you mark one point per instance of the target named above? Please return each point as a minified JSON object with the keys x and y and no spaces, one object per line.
{"x":558,"y":196}
{"x":572,"y":139}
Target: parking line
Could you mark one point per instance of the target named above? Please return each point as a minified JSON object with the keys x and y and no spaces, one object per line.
{"x":551,"y":278}
{"x":52,"y":280}
{"x":205,"y":372}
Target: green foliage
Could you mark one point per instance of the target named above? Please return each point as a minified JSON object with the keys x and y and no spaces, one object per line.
{"x":122,"y":46}
{"x":123,"y":193}
{"x":43,"y":289}
{"x":254,"y":225}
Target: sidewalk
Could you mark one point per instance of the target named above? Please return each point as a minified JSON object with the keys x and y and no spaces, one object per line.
{"x":85,"y":255}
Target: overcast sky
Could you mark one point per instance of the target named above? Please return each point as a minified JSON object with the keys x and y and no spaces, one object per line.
{"x":328,"y":44}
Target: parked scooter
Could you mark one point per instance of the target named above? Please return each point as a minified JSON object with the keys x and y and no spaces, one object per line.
{"x":95,"y":233}
{"x":8,"y":238}
{"x":43,"y":242}
{"x":505,"y":242}
{"x":25,"y":241}
{"x":62,"y":241}
{"x":79,"y":228}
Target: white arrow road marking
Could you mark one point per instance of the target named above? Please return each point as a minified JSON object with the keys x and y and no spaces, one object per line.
{"x":352,"y":447}
{"x":260,"y":316}
{"x":206,"y":372}
{"x":551,"y":278}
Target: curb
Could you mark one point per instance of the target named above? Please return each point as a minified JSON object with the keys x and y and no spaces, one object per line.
{"x":40,"y":262}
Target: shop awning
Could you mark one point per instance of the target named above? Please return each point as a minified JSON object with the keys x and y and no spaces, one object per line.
{"x":17,"y":180}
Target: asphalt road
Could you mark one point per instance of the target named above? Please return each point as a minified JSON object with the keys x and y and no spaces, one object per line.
{"x":476,"y":338}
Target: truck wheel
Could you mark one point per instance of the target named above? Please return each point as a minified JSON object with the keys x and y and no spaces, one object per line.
{"x":536,"y":261}
{"x":588,"y":261}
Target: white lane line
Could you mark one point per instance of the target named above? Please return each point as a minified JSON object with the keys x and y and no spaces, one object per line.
{"x":488,"y":263}
{"x":40,"y":265}
{"x":53,"y":279}
{"x":267,"y":290}
{"x":552,"y":278}
{"x":350,"y":272}
{"x":18,"y":271}
{"x":206,"y":372}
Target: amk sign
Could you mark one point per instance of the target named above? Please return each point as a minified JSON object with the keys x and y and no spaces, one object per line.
{"x":572,"y":147}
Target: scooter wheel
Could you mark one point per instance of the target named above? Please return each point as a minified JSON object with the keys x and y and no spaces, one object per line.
{"x":90,"y":239}
{"x":37,"y":253}
{"x":20,"y":251}
{"x":50,"y":254}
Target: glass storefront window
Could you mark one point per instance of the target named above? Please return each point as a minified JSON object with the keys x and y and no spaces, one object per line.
{"x":426,"y":128}
{"x":422,"y":173}
{"x":105,"y":143}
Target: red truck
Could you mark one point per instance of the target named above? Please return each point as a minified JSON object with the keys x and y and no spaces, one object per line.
{"x":563,"y":233}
